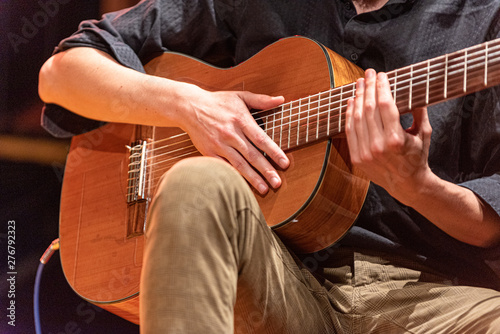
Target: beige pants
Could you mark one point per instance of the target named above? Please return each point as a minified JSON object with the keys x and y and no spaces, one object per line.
{"x":213,"y":266}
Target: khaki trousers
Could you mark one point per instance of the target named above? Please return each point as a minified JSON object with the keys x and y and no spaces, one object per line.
{"x":213,"y":266}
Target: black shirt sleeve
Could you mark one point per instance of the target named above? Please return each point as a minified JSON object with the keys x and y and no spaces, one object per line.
{"x":136,"y":35}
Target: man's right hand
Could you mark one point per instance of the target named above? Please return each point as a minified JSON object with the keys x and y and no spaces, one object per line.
{"x":220,"y":125}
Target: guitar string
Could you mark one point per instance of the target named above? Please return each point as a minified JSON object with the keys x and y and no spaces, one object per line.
{"x":181,"y":153}
{"x":164,"y":165}
{"x":401,"y":85}
{"x":463,"y":68}
{"x":470,"y":68}
{"x":158,"y":168}
{"x":195,"y":151}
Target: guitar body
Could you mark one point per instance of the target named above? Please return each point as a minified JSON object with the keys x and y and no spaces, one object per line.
{"x":101,"y":232}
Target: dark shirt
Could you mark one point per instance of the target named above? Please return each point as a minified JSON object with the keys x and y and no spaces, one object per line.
{"x":465,"y":146}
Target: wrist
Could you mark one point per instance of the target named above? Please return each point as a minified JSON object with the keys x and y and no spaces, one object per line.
{"x":170,"y":101}
{"x":418,"y":192}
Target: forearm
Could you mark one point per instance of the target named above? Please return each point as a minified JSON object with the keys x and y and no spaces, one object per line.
{"x":92,"y":84}
{"x":457,"y":211}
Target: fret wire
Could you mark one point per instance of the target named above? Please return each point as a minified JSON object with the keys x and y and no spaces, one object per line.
{"x":266,"y":125}
{"x":271,"y":126}
{"x":329,"y":111}
{"x":395,"y":85}
{"x":465,"y":72}
{"x":410,"y":87}
{"x":307,"y":124}
{"x":446,"y":77}
{"x":281,"y":125}
{"x":290,"y":125}
{"x":340,"y":108}
{"x":486,"y":65}
{"x":317,"y":125}
{"x":298,"y":122}
{"x":427,"y":83}
{"x":274,"y":125}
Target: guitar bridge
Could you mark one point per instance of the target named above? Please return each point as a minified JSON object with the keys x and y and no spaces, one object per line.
{"x":136,"y":172}
{"x":137,"y":201}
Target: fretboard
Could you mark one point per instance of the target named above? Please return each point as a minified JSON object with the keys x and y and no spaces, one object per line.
{"x":322,"y":115}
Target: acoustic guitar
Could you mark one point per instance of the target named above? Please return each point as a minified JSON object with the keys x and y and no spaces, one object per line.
{"x":112,"y":172}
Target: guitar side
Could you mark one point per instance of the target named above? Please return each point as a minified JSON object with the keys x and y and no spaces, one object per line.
{"x":319,"y":200}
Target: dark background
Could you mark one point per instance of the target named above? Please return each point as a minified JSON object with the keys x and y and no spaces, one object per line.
{"x":32,"y":166}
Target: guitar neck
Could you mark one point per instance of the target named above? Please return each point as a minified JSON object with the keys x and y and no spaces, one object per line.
{"x":299,"y":122}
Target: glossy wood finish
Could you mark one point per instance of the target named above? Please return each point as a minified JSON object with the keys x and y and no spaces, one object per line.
{"x":319,"y":200}
{"x":100,"y":263}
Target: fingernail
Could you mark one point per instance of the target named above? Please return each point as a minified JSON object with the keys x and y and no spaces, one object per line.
{"x":275,"y":182}
{"x":262,"y":188}
{"x":283,"y":163}
{"x":370,"y":73}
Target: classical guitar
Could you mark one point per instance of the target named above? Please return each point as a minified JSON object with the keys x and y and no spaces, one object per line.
{"x":112,"y":172}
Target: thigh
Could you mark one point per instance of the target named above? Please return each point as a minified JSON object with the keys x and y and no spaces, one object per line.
{"x":212,"y":263}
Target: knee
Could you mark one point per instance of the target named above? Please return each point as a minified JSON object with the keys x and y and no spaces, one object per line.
{"x":201,"y":175}
{"x":199,"y":189}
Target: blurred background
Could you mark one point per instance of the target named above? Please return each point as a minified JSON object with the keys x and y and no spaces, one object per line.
{"x":32,"y":166}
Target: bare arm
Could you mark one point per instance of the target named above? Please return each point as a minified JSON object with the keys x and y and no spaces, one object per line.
{"x":92,"y":84}
{"x":397,"y":160}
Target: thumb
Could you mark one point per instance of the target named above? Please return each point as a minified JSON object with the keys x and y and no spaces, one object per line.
{"x":261,"y":101}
